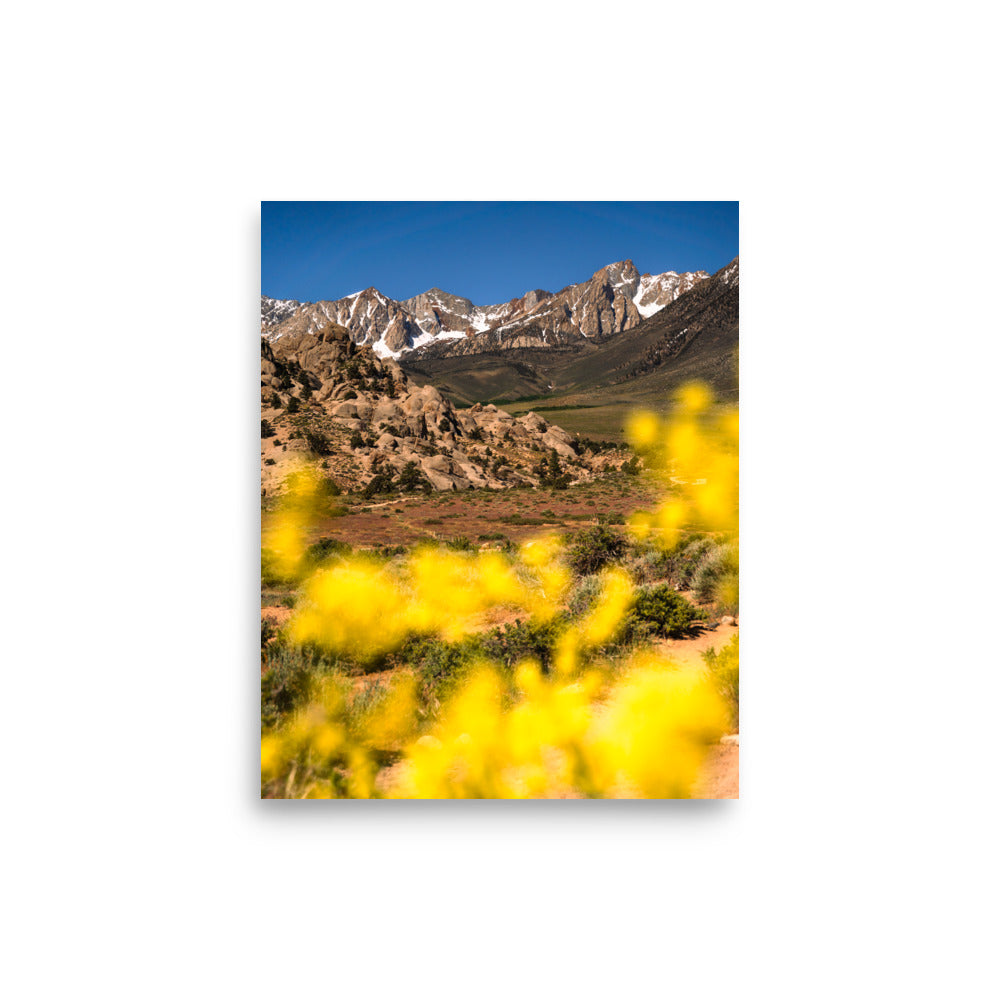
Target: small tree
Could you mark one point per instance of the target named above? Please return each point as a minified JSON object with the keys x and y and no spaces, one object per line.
{"x":317,"y":441}
{"x":411,"y":479}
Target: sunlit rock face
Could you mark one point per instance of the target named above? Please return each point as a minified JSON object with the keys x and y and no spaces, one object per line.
{"x":346,"y":393}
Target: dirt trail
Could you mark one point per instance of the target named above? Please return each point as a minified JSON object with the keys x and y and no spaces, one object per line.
{"x":720,"y":778}
{"x":689,"y":651}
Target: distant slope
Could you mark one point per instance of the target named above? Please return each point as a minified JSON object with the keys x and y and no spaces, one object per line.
{"x":694,"y":336}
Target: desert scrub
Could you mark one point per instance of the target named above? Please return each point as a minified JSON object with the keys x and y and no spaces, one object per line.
{"x":648,"y":564}
{"x":724,"y":667}
{"x":286,"y":680}
{"x":717,"y":577}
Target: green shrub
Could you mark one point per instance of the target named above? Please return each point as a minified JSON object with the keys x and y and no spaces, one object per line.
{"x":357,"y":441}
{"x":610,"y":518}
{"x":659,"y":611}
{"x":324,"y":550}
{"x":266,"y":430}
{"x":293,"y":405}
{"x":440,"y":665}
{"x":459,"y":544}
{"x":269,"y":461}
{"x":596,"y":548}
{"x":530,"y":640}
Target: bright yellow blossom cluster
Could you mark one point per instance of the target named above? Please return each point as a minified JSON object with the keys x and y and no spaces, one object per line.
{"x":696,"y":453}
{"x":284,"y":542}
{"x":363,"y":608}
{"x":644,"y":736}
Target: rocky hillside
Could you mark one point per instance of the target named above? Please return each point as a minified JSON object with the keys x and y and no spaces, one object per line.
{"x":708,"y":316}
{"x":438,"y":324}
{"x":323,"y":394}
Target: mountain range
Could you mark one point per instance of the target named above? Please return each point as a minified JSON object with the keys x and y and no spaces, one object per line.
{"x":437,"y":323}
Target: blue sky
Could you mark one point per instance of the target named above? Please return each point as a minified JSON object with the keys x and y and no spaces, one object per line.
{"x":487,"y":251}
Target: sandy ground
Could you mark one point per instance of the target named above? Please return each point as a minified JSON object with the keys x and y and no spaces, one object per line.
{"x":688,"y":651}
{"x":720,"y":778}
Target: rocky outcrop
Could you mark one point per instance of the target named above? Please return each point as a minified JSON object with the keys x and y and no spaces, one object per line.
{"x":370,"y":420}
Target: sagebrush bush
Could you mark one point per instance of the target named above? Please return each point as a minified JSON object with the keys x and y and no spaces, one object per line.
{"x":648,"y":565}
{"x":585,"y":593}
{"x":596,"y":548}
{"x":724,"y":667}
{"x":717,"y":574}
